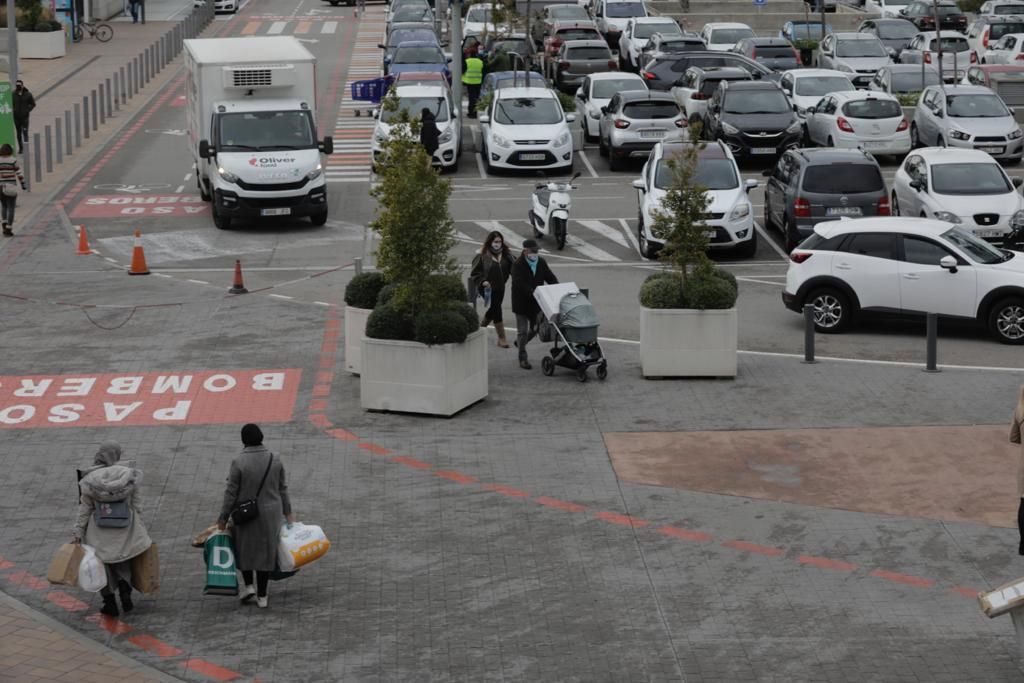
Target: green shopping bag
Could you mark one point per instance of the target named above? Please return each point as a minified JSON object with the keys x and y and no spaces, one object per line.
{"x":219,"y":554}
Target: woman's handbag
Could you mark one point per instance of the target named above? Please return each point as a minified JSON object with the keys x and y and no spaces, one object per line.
{"x":248,"y":510}
{"x":9,"y":189}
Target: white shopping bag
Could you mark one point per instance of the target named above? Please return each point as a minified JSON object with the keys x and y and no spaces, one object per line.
{"x":299,"y":545}
{"x":92,"y":575}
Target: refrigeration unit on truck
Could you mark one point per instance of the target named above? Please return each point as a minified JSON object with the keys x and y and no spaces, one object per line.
{"x":251,"y":108}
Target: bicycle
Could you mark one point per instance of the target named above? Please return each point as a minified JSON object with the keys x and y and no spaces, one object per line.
{"x":101,"y":32}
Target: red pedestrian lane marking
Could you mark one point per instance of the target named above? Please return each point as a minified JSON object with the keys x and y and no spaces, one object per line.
{"x":4,"y":564}
{"x":205,"y":668}
{"x":116,"y":206}
{"x":753,"y":548}
{"x":966,"y":592}
{"x":457,"y":477}
{"x":825,"y":563}
{"x":320,"y":420}
{"x":109,"y":624}
{"x":506,"y":490}
{"x":321,"y":390}
{"x":23,"y":578}
{"x":406,"y":460}
{"x":685,"y":534}
{"x":325,"y":376}
{"x":905,"y":579}
{"x":318,"y":405}
{"x":380,"y":450}
{"x":342,"y":435}
{"x":154,"y":645}
{"x":560,"y":504}
{"x":62,"y":599}
{"x":621,"y":520}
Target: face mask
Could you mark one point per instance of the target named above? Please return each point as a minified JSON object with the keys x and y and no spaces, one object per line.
{"x":532,"y":258}
{"x":495,"y":246}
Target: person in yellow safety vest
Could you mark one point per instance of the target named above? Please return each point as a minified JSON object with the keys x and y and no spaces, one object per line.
{"x":472,"y":78}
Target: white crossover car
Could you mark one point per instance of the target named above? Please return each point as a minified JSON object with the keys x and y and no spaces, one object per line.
{"x":872,"y":121}
{"x":526,"y":129}
{"x":413,"y":99}
{"x":806,"y":87}
{"x":597,"y":90}
{"x":636,"y":34}
{"x":722,"y":36}
{"x":970,"y":116}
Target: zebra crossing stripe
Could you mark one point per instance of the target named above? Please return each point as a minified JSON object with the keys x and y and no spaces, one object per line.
{"x":329,"y":27}
{"x":277,"y":27}
{"x":608,"y":231}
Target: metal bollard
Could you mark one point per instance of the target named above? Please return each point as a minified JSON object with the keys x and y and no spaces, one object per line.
{"x":358,"y":260}
{"x":28,"y":167}
{"x":85,"y":116}
{"x":932,"y":345}
{"x":809,"y":334}
{"x":58,"y":132}
{"x":117,"y":93}
{"x":92,"y":101}
{"x":36,"y":153}
{"x":67,"y":132}
{"x":121,"y":86}
{"x":48,"y":146}
{"x":109,"y":98}
{"x":103,"y":109}
{"x":78,"y":125}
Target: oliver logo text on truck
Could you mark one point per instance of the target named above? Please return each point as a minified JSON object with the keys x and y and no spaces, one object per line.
{"x":271,"y":162}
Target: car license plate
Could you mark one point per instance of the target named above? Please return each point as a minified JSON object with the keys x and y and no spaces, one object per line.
{"x":992,"y":150}
{"x":276,"y":212}
{"x":652,"y":133}
{"x":988,"y":233}
{"x":531,"y":156}
{"x":842,"y":211}
{"x":710,"y":233}
{"x":763,"y":150}
{"x":877,"y":144}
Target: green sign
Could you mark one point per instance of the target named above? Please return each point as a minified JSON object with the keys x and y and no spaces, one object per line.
{"x":7,"y":134}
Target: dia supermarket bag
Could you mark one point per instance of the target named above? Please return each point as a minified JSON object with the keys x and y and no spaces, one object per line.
{"x":219,"y":553}
{"x":300,"y":544}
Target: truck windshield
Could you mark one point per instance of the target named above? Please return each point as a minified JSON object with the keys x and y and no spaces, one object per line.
{"x":265,"y":130}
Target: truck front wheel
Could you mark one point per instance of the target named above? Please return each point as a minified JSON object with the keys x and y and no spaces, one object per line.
{"x":221,"y":221}
{"x":203,"y":192}
{"x":318,"y":218}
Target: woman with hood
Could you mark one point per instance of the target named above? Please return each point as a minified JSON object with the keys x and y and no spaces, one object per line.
{"x":430,"y":135}
{"x":1015,"y":429}
{"x":105,"y":482}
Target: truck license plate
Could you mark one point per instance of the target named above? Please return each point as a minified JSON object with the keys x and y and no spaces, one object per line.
{"x":842,"y":211}
{"x":531,"y":157}
{"x":763,"y":150}
{"x":276,"y":212}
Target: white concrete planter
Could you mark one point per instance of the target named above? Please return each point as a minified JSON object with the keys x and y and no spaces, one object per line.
{"x":682,"y":342}
{"x":355,"y":328}
{"x":32,"y":45}
{"x":410,"y":377}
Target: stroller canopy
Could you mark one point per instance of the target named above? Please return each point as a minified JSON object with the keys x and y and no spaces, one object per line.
{"x":577,"y":318}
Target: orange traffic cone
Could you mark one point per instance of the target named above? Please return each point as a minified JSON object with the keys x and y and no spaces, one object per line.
{"x":139,"y":266}
{"x":238,"y":287}
{"x":83,"y":242}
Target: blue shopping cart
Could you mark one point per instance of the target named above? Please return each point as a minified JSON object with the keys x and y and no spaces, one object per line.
{"x":372,"y":91}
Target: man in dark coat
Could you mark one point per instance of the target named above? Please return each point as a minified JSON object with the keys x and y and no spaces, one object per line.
{"x":23,"y":103}
{"x":528,"y":272}
{"x":430,"y":136}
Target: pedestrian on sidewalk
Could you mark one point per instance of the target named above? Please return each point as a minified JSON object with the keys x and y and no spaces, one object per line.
{"x":10,"y":178}
{"x":472,"y":78}
{"x":134,"y":6}
{"x":430,"y":136}
{"x":22,"y":105}
{"x":491,"y":268}
{"x":109,"y":492}
{"x":1015,"y":430}
{"x":528,"y":272}
{"x":256,"y":475}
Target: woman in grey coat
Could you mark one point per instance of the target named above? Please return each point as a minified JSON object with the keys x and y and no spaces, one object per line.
{"x":256,"y":541}
{"x":105,"y":482}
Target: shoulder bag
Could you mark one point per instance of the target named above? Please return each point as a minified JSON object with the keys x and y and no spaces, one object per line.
{"x":9,"y":189}
{"x":248,"y":510}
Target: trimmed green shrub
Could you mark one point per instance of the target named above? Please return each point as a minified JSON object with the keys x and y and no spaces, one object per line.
{"x":387,"y":292}
{"x":363,"y":289}
{"x":389,"y":322}
{"x":447,"y":288}
{"x":710,"y":292}
{"x":467,"y":312}
{"x":440,"y":327}
{"x":727,"y":276}
{"x":662,"y":290}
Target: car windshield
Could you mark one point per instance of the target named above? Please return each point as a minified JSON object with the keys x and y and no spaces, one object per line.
{"x":648,"y":30}
{"x":952,"y":44}
{"x":803,"y":31}
{"x":510,"y":81}
{"x":978,"y":249}
{"x":710,"y":85}
{"x":651,"y":110}
{"x":1008,"y":9}
{"x":479,"y":15}
{"x":412,"y":14}
{"x":910,"y":81}
{"x":575,"y":12}
{"x":405,"y":35}
{"x":604,"y":90}
{"x":729,"y":35}
{"x":946,"y":10}
{"x":999,"y":30}
{"x":578,"y":34}
{"x":756,"y":102}
{"x":969,"y":179}
{"x":517,"y":45}
{"x":860,"y":48}
{"x":265,"y":131}
{"x":415,"y":107}
{"x":714,"y":174}
{"x":621,"y":10}
{"x":897,"y":30}
{"x":976,"y":106}
{"x":418,"y":55}
{"x":819,"y":86}
{"x":873,"y":109}
{"x":527,"y":111}
{"x":588,"y":53}
{"x":840,"y":178}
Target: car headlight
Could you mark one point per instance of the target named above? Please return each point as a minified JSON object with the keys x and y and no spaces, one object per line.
{"x":801,"y":111}
{"x":562,"y":140}
{"x":1015,"y":134}
{"x":947,"y":217}
{"x":227,"y":175}
{"x":795,"y":127}
{"x":740,"y":211}
{"x":315,"y":173}
{"x":1017,"y":221}
{"x":380,"y":137}
{"x":844,"y":67}
{"x":446,"y":136}
{"x":501,"y":142}
{"x":959,"y":135}
{"x":729,"y":129}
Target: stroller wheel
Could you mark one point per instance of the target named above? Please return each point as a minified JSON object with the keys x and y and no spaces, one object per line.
{"x":547,"y":365}
{"x":581,"y":374}
{"x":602,"y":371}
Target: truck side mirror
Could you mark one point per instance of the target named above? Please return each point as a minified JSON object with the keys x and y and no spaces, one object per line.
{"x":205,"y":152}
{"x":327,"y":146}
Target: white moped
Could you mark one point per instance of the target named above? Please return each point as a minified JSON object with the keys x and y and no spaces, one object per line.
{"x":550,"y":213}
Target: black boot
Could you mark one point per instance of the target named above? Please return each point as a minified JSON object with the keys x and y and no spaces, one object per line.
{"x":109,"y":605}
{"x":125,"y":589}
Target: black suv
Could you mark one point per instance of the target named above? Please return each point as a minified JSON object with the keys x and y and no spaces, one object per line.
{"x":755,"y":118}
{"x":665,"y":71}
{"x":922,"y":13}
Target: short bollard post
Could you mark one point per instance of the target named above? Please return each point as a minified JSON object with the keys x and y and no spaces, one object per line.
{"x":109,"y":99}
{"x":103,"y":109}
{"x":37,"y":152}
{"x":121,"y":86}
{"x":358,"y":260}
{"x":78,"y":125}
{"x":85,"y":115}
{"x":48,"y":146}
{"x":809,"y":333}
{"x":28,"y":167}
{"x":932,"y":327}
{"x":67,"y":132}
{"x":58,"y":132}
{"x":92,"y":103}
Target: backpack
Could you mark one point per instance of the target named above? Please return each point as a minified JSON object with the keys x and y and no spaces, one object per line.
{"x":114,"y":514}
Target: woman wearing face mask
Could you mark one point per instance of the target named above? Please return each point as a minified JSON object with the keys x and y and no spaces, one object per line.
{"x":528,"y":272}
{"x":490,"y":271}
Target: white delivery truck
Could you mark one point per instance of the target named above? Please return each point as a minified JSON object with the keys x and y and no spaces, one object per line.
{"x":251,"y":108}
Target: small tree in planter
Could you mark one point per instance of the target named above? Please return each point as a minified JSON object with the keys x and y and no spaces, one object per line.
{"x":423,"y":351}
{"x":688,"y":315}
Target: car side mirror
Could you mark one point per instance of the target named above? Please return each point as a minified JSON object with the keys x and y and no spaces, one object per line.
{"x":948,"y":263}
{"x":604,"y":110}
{"x":892,"y":52}
{"x":1017,"y":181}
{"x":327,"y":145}
{"x":205,"y":151}
{"x":569,"y":118}
{"x":375,"y":113}
{"x":382,"y":46}
{"x":767,"y":172}
{"x":679,"y":83}
{"x":751,"y":184}
{"x":918,"y":185}
{"x":811,"y":110}
{"x":639,"y":184}
{"x":483,"y":118}
{"x":582,"y":95}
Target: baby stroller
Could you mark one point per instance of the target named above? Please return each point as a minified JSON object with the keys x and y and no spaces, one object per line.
{"x":569,"y":317}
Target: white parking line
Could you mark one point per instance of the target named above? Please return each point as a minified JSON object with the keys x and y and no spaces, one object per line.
{"x":629,"y":235}
{"x":586,"y":162}
{"x":777,"y":248}
{"x":760,"y":282}
{"x":480,"y":166}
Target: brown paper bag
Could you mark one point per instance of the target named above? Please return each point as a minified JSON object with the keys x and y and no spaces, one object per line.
{"x":63,"y":569}
{"x":146,"y":571}
{"x":199,"y":540}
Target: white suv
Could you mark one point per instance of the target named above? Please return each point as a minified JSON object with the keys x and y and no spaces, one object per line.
{"x":524,"y":129}
{"x":906,"y":266}
{"x":730,"y":219}
{"x":413,"y":99}
{"x":634,"y":38}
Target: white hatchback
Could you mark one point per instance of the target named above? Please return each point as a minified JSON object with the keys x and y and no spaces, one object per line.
{"x":806,"y":87}
{"x":413,"y":99}
{"x":872,"y":121}
{"x":596,"y":92}
{"x":526,"y":129}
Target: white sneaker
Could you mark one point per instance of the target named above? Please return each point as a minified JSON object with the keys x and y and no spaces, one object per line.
{"x":261,"y":602}
{"x":247,"y":594}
